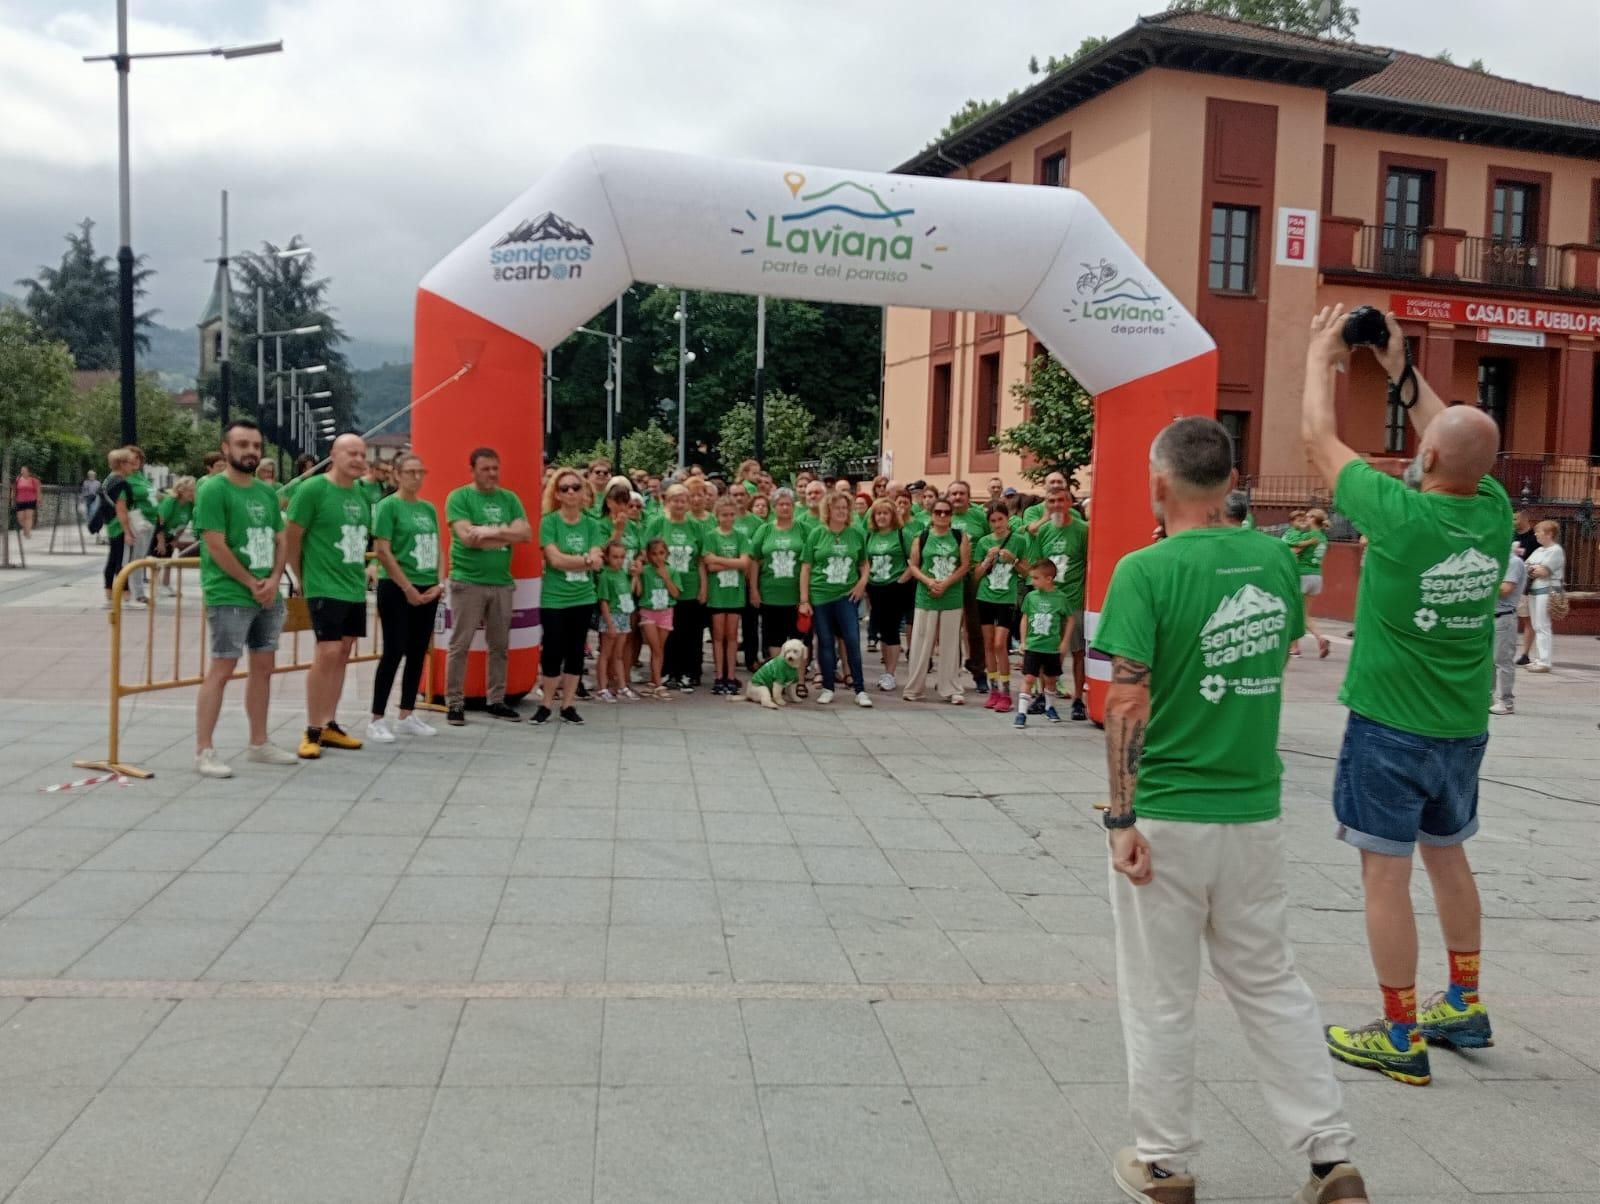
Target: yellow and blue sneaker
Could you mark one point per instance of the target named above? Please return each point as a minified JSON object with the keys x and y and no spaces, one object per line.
{"x":1373,"y":1047}
{"x":1449,"y":1019}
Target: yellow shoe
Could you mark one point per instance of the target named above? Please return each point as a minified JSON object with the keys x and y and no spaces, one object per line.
{"x":309,"y":749}
{"x":334,"y":736}
{"x":1372,"y":1048}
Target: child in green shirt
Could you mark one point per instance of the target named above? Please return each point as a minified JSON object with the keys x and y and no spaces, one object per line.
{"x":656,"y":587}
{"x":1046,"y":630}
{"x":614,"y":588}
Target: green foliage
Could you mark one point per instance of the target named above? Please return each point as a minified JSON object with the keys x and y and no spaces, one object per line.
{"x":788,"y":434}
{"x":1059,"y":430}
{"x":582,"y":456}
{"x":294,"y":296}
{"x":76,"y":303}
{"x":1057,"y":63}
{"x":380,"y":392}
{"x":967,"y":114}
{"x":650,"y":448}
{"x":1444,"y":56}
{"x":35,"y":394}
{"x":836,"y":446}
{"x":1295,"y":16}
{"x":167,"y":434}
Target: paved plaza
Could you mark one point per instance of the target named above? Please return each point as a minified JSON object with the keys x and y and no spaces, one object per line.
{"x":696,"y":951}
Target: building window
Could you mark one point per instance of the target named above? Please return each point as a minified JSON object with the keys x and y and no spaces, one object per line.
{"x":1237,"y":424}
{"x":1053,"y":170}
{"x":1233,"y":248}
{"x":986,"y":425}
{"x":1394,"y":428}
{"x":1494,"y":392}
{"x":1516,"y":212}
{"x":939,"y":412}
{"x":1407,"y":212}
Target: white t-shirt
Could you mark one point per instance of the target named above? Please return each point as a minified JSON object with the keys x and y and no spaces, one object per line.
{"x":1553,"y":559}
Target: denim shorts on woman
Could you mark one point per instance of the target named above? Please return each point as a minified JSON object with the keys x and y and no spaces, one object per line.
{"x":1393,"y":788}
{"x":235,"y":628}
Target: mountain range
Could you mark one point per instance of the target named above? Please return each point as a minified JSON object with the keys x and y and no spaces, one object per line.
{"x":1249,"y":603}
{"x":1463,"y":563}
{"x":547,"y":228}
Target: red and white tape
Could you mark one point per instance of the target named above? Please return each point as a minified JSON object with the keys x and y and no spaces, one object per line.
{"x":118,"y":778}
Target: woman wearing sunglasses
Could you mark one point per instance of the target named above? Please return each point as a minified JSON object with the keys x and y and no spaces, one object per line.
{"x":939,"y":560}
{"x":571,"y":539}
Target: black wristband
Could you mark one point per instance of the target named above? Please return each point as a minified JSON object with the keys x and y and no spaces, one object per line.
{"x":1115,"y":822}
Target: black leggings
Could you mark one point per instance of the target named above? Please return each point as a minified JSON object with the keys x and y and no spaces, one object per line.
{"x":888,"y":612}
{"x":778,"y":624}
{"x":687,"y":641}
{"x":407,"y":631}
{"x":565,"y":630}
{"x":116,"y":548}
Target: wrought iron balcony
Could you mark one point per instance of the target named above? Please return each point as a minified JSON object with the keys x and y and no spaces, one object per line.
{"x":1456,"y":258}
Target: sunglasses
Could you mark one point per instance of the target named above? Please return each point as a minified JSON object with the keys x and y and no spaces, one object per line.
{"x":570,"y":487}
{"x":942,"y":511}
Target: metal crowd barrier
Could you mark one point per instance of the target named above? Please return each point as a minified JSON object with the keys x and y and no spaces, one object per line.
{"x":164,"y":618}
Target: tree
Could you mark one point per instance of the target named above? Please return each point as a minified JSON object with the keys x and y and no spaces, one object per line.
{"x":968,"y":113}
{"x":380,"y":392}
{"x":76,"y":303}
{"x":649,"y":448}
{"x":1444,"y":56}
{"x":1295,"y":16}
{"x":1054,"y":63}
{"x":35,"y":391}
{"x":295,"y":296}
{"x":167,"y":434}
{"x":1058,"y":433}
{"x":788,"y":434}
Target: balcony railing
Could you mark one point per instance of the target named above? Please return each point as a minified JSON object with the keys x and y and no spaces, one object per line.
{"x":1456,"y":258}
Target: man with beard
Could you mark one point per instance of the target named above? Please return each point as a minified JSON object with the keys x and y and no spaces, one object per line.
{"x":241,"y":563}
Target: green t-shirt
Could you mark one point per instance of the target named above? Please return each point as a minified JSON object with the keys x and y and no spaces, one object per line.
{"x":249,"y":520}
{"x":999,"y":584}
{"x":974,"y":520}
{"x":747,"y":525}
{"x":1309,"y":558}
{"x":653,"y":591}
{"x":941,"y":555}
{"x":1249,"y":523}
{"x":725,"y":588}
{"x":372,"y":490}
{"x":614,"y":587}
{"x":1425,"y":605}
{"x":886,"y":555}
{"x":918,"y":522}
{"x":141,"y":498}
{"x":1067,"y":547}
{"x":497,"y":508}
{"x":835,"y":558}
{"x":780,"y":552}
{"x":333,"y":552}
{"x":412,"y":529}
{"x":562,"y":588}
{"x":1213,"y":612}
{"x":1044,"y":619}
{"x":1032,"y":514}
{"x":683,"y":551}
{"x":174,"y":515}
{"x":775,"y":674}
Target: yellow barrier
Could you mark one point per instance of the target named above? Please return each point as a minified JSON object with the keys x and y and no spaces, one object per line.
{"x":118,"y":688}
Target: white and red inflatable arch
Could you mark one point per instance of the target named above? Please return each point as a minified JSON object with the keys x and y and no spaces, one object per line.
{"x":607,"y":216}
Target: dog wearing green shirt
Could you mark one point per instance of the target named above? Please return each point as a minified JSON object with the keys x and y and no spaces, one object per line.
{"x":773,"y":685}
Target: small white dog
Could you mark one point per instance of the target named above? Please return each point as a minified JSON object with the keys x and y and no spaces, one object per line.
{"x":783,"y":673}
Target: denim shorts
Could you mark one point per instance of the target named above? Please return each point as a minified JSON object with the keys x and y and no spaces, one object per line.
{"x":1393,"y":788}
{"x":235,"y":628}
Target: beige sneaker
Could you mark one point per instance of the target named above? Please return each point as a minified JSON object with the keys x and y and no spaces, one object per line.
{"x":1138,"y":1183}
{"x":1343,"y":1185}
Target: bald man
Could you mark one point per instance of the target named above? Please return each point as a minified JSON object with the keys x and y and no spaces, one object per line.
{"x":329,"y":518}
{"x":1418,"y":690}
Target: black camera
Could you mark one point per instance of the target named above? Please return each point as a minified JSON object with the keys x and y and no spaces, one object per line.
{"x":1365,"y":326}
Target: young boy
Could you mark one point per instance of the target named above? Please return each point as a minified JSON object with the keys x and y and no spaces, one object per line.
{"x":1046,"y":629}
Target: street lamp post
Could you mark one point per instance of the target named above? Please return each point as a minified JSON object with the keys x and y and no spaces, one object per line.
{"x":761,"y":377}
{"x":683,"y":338}
{"x":262,"y":332}
{"x":123,"y":61}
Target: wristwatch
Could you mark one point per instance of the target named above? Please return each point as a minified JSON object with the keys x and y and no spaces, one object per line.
{"x":1115,"y":822}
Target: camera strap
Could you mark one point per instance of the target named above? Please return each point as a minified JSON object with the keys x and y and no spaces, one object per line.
{"x":1403,"y":392}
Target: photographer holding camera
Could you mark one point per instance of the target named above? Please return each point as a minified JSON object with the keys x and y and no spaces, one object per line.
{"x":1417,"y":687}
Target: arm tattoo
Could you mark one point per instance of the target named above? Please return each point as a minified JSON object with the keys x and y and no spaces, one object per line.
{"x":1126,"y":672}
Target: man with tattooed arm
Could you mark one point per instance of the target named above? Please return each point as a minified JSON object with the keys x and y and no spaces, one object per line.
{"x":1198,"y":628}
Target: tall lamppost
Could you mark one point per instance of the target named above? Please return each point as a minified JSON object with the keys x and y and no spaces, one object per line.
{"x":685,"y":358}
{"x":123,"y":61}
{"x":761,"y":377}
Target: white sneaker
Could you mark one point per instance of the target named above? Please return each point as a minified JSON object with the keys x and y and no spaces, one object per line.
{"x":957,"y":700}
{"x":208,"y":765}
{"x":886,"y":682}
{"x":413,"y":726}
{"x":379,"y":731}
{"x":168,"y":591}
{"x":1536,"y":667}
{"x":1502,"y":708}
{"x":862,"y":700}
{"x":824,"y":698}
{"x":271,"y":754}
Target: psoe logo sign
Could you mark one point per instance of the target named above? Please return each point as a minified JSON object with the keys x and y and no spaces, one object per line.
{"x":844,"y":230}
{"x":1121,"y":304}
{"x":547,"y":248}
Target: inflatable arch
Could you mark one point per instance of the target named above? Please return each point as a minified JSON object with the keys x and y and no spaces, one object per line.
{"x":608,"y":216}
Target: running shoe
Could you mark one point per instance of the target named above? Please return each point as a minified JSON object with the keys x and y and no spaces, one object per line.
{"x":208,"y":765}
{"x":1502,"y":708}
{"x":718,"y":689}
{"x":886,"y":682}
{"x":540,"y":717}
{"x":980,"y":682}
{"x":456,"y":717}
{"x":411,"y":725}
{"x":1006,"y":703}
{"x":1342,"y":1185}
{"x":627,"y":694}
{"x":1139,"y":1182}
{"x":685,"y":687}
{"x":334,"y":736}
{"x":310,"y":747}
{"x":863,"y":699}
{"x":1524,"y":659}
{"x":992,"y":703}
{"x":1441,"y":1022}
{"x":1053,"y":715}
{"x":1020,"y":722}
{"x":958,"y":700}
{"x":606,"y":696}
{"x":1371,"y":1047}
{"x":824,"y":697}
{"x":379,"y":731}
{"x":570,"y":715}
{"x":270,"y":754}
{"x":1036,"y":707}
{"x":1079,"y":711}
{"x":500,"y":710}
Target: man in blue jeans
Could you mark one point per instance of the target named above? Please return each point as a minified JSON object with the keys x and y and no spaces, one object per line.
{"x":1418,"y":689}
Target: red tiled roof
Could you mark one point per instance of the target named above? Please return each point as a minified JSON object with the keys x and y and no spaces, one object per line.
{"x":1417,"y":80}
{"x":1229,"y":27}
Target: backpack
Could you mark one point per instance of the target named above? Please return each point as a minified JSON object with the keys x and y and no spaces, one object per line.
{"x":104,"y":509}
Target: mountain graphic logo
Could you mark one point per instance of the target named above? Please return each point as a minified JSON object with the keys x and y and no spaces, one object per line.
{"x":1463,"y":564}
{"x":863,"y":202}
{"x":1250,"y":602}
{"x":551,"y":227}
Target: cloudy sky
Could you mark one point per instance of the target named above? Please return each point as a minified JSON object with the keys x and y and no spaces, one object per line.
{"x":390,"y":130}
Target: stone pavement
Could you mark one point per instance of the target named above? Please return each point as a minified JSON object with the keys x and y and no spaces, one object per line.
{"x":697,"y":951}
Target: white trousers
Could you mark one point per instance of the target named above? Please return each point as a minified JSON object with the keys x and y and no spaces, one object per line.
{"x":1222,"y":884}
{"x":1539,"y":619}
{"x":925,"y":625}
